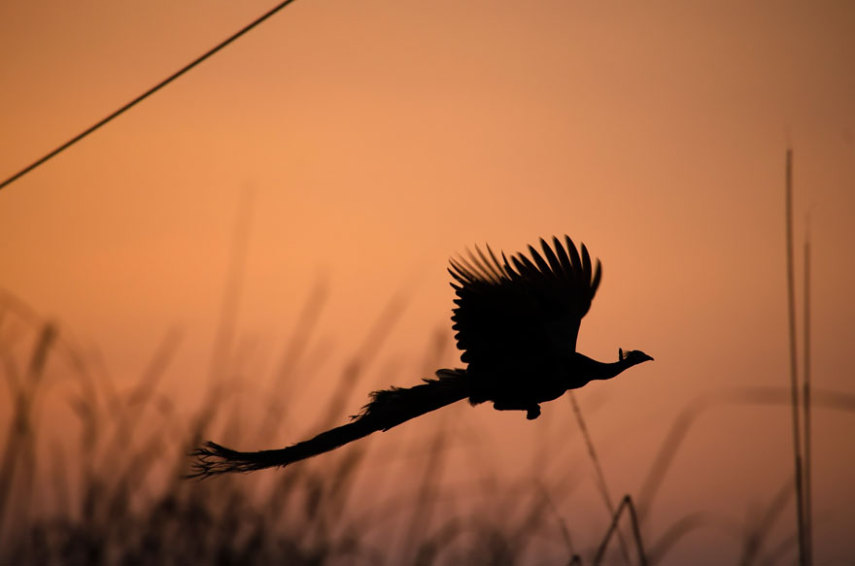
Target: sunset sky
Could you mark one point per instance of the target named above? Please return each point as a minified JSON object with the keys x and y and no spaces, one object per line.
{"x":367,"y":142}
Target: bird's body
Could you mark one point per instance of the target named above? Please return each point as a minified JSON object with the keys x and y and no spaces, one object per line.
{"x":516,"y":322}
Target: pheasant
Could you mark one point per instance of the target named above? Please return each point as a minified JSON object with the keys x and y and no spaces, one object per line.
{"x":516,"y":323}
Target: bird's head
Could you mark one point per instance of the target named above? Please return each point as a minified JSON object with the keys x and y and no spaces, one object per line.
{"x":633,"y":357}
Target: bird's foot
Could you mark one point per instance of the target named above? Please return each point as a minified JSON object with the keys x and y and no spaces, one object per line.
{"x":532,"y":411}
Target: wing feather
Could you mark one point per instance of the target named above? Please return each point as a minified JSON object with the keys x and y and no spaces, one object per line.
{"x":498,"y":265}
{"x":554,"y":263}
{"x":598,"y":274}
{"x":523,"y":309}
{"x":492,"y":268}
{"x":562,"y":255}
{"x":542,"y":266}
{"x":574,"y":254}
{"x":586,"y":263}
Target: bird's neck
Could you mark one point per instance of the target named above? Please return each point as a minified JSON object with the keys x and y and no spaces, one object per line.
{"x":595,"y":370}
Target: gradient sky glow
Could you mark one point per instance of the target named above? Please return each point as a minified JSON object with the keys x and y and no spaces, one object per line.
{"x":378,"y":138}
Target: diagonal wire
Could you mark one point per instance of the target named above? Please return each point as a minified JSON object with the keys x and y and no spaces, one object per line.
{"x":147,"y":93}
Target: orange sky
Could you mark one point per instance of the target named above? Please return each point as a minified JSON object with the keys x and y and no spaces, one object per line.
{"x":377,"y":138}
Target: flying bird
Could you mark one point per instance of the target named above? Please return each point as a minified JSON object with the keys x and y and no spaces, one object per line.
{"x":516,"y":322}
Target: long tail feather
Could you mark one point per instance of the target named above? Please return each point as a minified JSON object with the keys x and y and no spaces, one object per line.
{"x":388,"y":408}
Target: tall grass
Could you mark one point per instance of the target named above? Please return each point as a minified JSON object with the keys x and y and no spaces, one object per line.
{"x":118,"y":497}
{"x":794,"y":380}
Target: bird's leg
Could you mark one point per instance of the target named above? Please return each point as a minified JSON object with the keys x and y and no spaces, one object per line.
{"x":532,"y":411}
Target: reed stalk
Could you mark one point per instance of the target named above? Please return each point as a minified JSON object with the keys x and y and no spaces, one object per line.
{"x":794,"y":384}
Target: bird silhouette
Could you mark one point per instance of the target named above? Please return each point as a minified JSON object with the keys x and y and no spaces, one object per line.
{"x":516,"y":323}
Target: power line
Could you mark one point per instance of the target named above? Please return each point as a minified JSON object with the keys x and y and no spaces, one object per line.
{"x":146,"y":94}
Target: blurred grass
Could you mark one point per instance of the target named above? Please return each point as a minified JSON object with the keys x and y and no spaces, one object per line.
{"x":116,"y":493}
{"x":118,"y":496}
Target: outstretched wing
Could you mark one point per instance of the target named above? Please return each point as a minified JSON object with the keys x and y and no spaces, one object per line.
{"x":524,"y":309}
